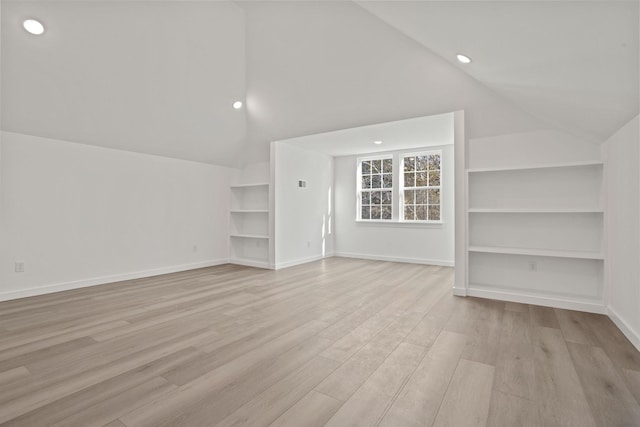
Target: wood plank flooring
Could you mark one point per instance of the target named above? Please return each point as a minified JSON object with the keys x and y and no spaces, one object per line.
{"x":339,"y":342}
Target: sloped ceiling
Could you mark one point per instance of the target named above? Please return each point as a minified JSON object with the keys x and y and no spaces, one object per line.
{"x":314,"y":67}
{"x":150,"y":77}
{"x":571,"y":63}
{"x":160,"y":77}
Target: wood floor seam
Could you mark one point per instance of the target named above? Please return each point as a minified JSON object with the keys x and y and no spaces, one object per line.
{"x":406,"y":380}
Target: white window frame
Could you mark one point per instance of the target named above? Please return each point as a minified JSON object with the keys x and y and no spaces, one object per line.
{"x":401,"y":187}
{"x":360,"y":190}
{"x":398,"y":188}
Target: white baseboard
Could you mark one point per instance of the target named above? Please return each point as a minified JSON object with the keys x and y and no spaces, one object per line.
{"x":251,"y":263}
{"x":66,"y":286}
{"x":440,"y":262}
{"x":460,"y":292}
{"x":300,"y":261}
{"x":556,"y":302}
{"x":631,"y":334}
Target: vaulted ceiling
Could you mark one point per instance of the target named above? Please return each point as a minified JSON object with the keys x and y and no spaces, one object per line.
{"x":159,"y":77}
{"x":572,"y":63}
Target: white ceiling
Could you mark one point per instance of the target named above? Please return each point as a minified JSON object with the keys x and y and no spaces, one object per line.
{"x":399,"y":135}
{"x":314,"y":67}
{"x":159,"y":77}
{"x":571,"y":63}
{"x":155,"y":78}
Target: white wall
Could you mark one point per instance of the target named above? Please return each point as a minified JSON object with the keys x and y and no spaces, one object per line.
{"x":542,"y":147}
{"x":622,"y":157}
{"x":78,"y":215}
{"x":252,"y":173}
{"x":427,"y":244}
{"x":303,"y":216}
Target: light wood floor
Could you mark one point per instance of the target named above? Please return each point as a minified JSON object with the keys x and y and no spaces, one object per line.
{"x":337,"y":343}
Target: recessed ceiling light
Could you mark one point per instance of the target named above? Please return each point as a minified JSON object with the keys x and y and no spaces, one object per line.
{"x":34,"y":27}
{"x":463,"y":58}
{"x":237,"y":105}
{"x":377,"y":142}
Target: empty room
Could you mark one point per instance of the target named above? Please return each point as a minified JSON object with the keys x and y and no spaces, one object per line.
{"x":319,"y":213}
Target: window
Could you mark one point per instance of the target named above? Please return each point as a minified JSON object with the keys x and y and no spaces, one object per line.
{"x":421,"y":186}
{"x":400,"y":187}
{"x":375,"y":188}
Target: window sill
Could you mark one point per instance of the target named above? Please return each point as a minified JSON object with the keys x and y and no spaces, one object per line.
{"x":403,"y":224}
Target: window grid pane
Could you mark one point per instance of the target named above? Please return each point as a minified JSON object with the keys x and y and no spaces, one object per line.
{"x":376,"y":195}
{"x":421,"y":194}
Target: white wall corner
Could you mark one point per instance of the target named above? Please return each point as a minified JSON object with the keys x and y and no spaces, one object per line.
{"x":300,"y":261}
{"x":438,"y":262}
{"x":628,"y":331}
{"x":460,"y":292}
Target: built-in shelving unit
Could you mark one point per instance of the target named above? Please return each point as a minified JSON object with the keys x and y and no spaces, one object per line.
{"x":249,"y":225}
{"x":535,"y":232}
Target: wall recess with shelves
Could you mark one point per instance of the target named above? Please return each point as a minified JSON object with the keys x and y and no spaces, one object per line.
{"x":535,"y":229}
{"x":249,"y":225}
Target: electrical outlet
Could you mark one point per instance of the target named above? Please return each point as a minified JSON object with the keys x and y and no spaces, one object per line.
{"x":308,"y":244}
{"x":19,"y":267}
{"x":533,"y":266}
{"x":195,"y":248}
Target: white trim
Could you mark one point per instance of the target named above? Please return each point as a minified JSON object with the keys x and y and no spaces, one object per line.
{"x":604,"y":197}
{"x":530,"y":167}
{"x":537,"y":252}
{"x":365,"y":157}
{"x":65,"y":286}
{"x":536,"y":210}
{"x":631,"y":334}
{"x":271,"y":218}
{"x":460,"y":292}
{"x":249,"y":236}
{"x":444,"y":263}
{"x":300,"y":261}
{"x":250,"y":263}
{"x":557,"y":302}
{"x":401,"y":224}
{"x":461,"y":196}
{"x":257,"y":184}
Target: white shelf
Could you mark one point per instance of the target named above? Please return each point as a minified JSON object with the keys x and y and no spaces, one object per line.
{"x":534,"y":210}
{"x":581,"y":303}
{"x":257,"y":184}
{"x":250,"y":236}
{"x":537,"y":252}
{"x":531,"y":167}
{"x":249,"y":224}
